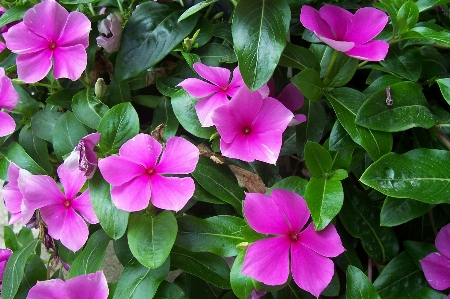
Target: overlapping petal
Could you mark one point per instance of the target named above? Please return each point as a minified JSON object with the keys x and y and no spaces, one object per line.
{"x":49,"y":289}
{"x":198,"y":88}
{"x":312,"y":20}
{"x":374,"y":51}
{"x":436,"y":268}
{"x":336,"y":16}
{"x":69,"y":62}
{"x":76,"y":31}
{"x":8,"y":125}
{"x":216,"y":75}
{"x":72,"y":181}
{"x":442,"y":241}
{"x":40,"y":191}
{"x":74,"y":232}
{"x":117,"y":170}
{"x":205,"y":108}
{"x":358,"y":30}
{"x":325,"y":242}
{"x":133,"y":195}
{"x":271,"y":116}
{"x":141,"y":149}
{"x":83,"y":205}
{"x":54,"y":216}
{"x":238,"y":148}
{"x":293,"y":207}
{"x":33,"y":67}
{"x":179,"y":157}
{"x":291,"y":97}
{"x":20,"y":40}
{"x":171,"y":193}
{"x":89,"y":286}
{"x":265,"y":146}
{"x":9,"y":96}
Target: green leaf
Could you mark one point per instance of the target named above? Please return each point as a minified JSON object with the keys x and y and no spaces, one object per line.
{"x":444,"y":85}
{"x":419,"y":250}
{"x":196,"y":8}
{"x":15,"y":153}
{"x":440,"y":37}
{"x":137,"y":281}
{"x":427,"y":293}
{"x":241,"y":284}
{"x":91,"y":258}
{"x":346,"y":103}
{"x":35,"y":271}
{"x":407,"y":111}
{"x":10,"y":238}
{"x":62,"y":98}
{"x":167,"y":85}
{"x":15,"y":267}
{"x":338,"y":175}
{"x":150,"y":34}
{"x":310,"y":84}
{"x":359,"y":285}
{"x":259,"y":34}
{"x":427,"y":4}
{"x":409,"y":12}
{"x":400,"y":278}
{"x":396,"y":211}
{"x":184,"y":108}
{"x":27,"y":105}
{"x":317,"y":159}
{"x":381,"y":83}
{"x":313,"y":128}
{"x":15,"y":13}
{"x":405,"y":62}
{"x":117,"y":126}
{"x":340,"y":140}
{"x":421,"y":174}
{"x":120,"y":92}
{"x":324,"y":198}
{"x":88,"y":108}
{"x":68,"y":132}
{"x":151,"y":239}
{"x":218,"y":234}
{"x":43,"y":123}
{"x":293,"y":183}
{"x":207,"y":266}
{"x":218,"y":180}
{"x":113,"y":221}
{"x":163,"y":114}
{"x":214,"y":54}
{"x":167,"y":290}
{"x":298,"y":57}
{"x":36,"y":148}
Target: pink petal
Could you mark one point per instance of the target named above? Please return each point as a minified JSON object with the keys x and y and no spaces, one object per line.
{"x":312,"y":20}
{"x":198,"y":88}
{"x":117,"y":170}
{"x":12,"y":197}
{"x":237,"y":149}
{"x":20,"y":40}
{"x":374,"y":51}
{"x":83,"y":205}
{"x":48,"y":289}
{"x":110,"y":44}
{"x":297,"y":119}
{"x":76,"y":31}
{"x":227,"y":129}
{"x":325,"y":242}
{"x":265,"y":147}
{"x":142,"y":149}
{"x":93,"y":285}
{"x":179,"y":157}
{"x":264,"y":215}
{"x":69,"y":62}
{"x":15,"y":217}
{"x":293,"y":207}
{"x":8,"y":125}
{"x":311,"y":272}
{"x":291,"y":97}
{"x":216,"y":75}
{"x":267,"y":260}
{"x":264,"y":91}
{"x":72,"y":161}
{"x":39,"y":191}
{"x":442,"y":241}
{"x":34,"y":67}
{"x":272,"y":116}
{"x":236,"y":81}
{"x":8,"y":95}
{"x":74,"y":232}
{"x":367,"y":23}
{"x":72,"y":181}
{"x":54,"y":216}
{"x":436,"y":268}
{"x":133,"y":195}
{"x":171,"y":193}
{"x":206,"y":107}
{"x":337,"y":18}
{"x":341,"y":46}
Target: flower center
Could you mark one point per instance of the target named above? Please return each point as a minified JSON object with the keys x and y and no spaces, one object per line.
{"x":52,"y":45}
{"x":224,"y":88}
{"x":150,"y":171}
{"x":295,"y":236}
{"x":67,"y":203}
{"x":247,"y":130}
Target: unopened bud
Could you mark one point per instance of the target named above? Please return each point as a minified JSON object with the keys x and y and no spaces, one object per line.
{"x":100,"y":88}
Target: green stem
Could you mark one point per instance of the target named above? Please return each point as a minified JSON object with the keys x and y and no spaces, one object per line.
{"x":330,"y":65}
{"x":91,"y":9}
{"x":120,"y":6}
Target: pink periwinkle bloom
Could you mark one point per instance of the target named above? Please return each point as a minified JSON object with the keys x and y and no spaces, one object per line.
{"x":284,"y":214}
{"x":347,"y":32}
{"x":251,"y":127}
{"x":112,"y":29}
{"x":292,"y":98}
{"x":49,"y":34}
{"x":8,"y":100}
{"x":13,"y":197}
{"x":4,"y":257}
{"x":88,"y":286}
{"x":83,"y":157}
{"x":139,"y":174}
{"x":255,"y":294}
{"x":436,"y":265}
{"x":60,"y":211}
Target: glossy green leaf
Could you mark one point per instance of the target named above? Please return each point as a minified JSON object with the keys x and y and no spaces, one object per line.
{"x":359,"y":285}
{"x":119,"y":92}
{"x":292,"y":183}
{"x":151,"y":238}
{"x":214,"y":54}
{"x":324,"y":198}
{"x":68,"y":132}
{"x":62,"y":98}
{"x":428,"y":293}
{"x":163,"y":114}
{"x":15,"y":267}
{"x":259,"y":31}
{"x":421,"y":174}
{"x":381,"y":83}
{"x":340,"y":140}
{"x":346,"y":103}
{"x":241,"y":284}
{"x":218,"y":234}
{"x":137,"y":281}
{"x":149,"y":35}
{"x":209,"y":267}
{"x":313,"y":128}
{"x":408,"y":109}
{"x":427,"y":4}
{"x":117,"y":126}
{"x":396,"y":211}
{"x":88,"y":108}
{"x":184,"y":108}
{"x":91,"y":257}
{"x":409,"y":11}
{"x":338,"y":175}
{"x":43,"y":123}
{"x":167,"y":290}
{"x":196,"y":8}
{"x":444,"y":85}
{"x":406,"y":62}
{"x":10,"y":238}
{"x":113,"y":221}
{"x":310,"y":84}
{"x":317,"y":159}
{"x":15,"y":13}
{"x":440,"y":37}
{"x":34,"y":271}
{"x":167,"y":85}
{"x":15,"y":153}
{"x":298,"y":57}
{"x":419,"y":250}
{"x":36,"y":148}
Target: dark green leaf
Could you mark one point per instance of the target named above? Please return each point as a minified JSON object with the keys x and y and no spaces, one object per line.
{"x":167,"y":85}
{"x":163,"y":114}
{"x":88,"y":108}
{"x":62,"y":98}
{"x":440,"y":37}
{"x":223,"y":30}
{"x":167,"y":290}
{"x":68,"y":132}
{"x":27,"y":105}
{"x":241,"y":284}
{"x":36,"y":148}
{"x":396,"y":211}
{"x":15,"y":153}
{"x":10,"y":238}
{"x":359,"y":286}
{"x":35,"y":271}
{"x":12,"y":14}
{"x":213,"y":54}
{"x":409,"y":12}
{"x":340,"y":140}
{"x":444,"y":85}
{"x":381,"y":83}
{"x":419,"y":250}
{"x":317,"y":159}
{"x":293,"y":183}
{"x":298,"y":57}
{"x":427,"y":293}
{"x":196,"y":8}
{"x":406,"y":62}
{"x":43,"y":124}
{"x":310,"y":84}
{"x":119,"y":92}
{"x":312,"y":129}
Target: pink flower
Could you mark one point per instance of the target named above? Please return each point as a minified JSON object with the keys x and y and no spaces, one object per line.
{"x":59,"y":210}
{"x":436,"y":265}
{"x":137,"y":173}
{"x":347,"y":32}
{"x":88,"y":286}
{"x":4,"y":257}
{"x":285,"y":214}
{"x":8,"y":100}
{"x":291,"y":98}
{"x":83,"y":156}
{"x":251,"y":127}
{"x":112,"y":28}
{"x":49,"y":33}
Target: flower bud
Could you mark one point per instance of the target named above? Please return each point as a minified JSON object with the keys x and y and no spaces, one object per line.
{"x":100,"y":88}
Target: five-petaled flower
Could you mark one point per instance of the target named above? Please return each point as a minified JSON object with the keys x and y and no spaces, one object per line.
{"x":251,"y":127}
{"x":88,"y":286}
{"x":267,"y":260}
{"x":83,"y":157}
{"x":138,"y":174}
{"x":347,"y":32}
{"x":436,"y":265}
{"x":49,"y":33}
{"x":8,"y":100}
{"x":57,"y":209}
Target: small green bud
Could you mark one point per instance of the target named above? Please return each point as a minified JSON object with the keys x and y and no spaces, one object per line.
{"x":100,"y":88}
